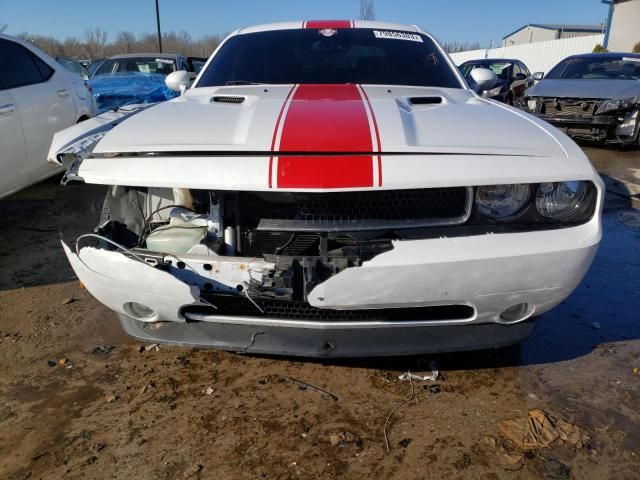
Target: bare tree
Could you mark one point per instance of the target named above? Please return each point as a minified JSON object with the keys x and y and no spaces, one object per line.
{"x":49,"y":45}
{"x":3,"y":27}
{"x":455,"y":46}
{"x":366,"y":10}
{"x":125,"y":42}
{"x":95,"y":40}
{"x":94,"y":44}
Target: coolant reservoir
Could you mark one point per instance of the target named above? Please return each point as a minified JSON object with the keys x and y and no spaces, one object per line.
{"x":185,"y":229}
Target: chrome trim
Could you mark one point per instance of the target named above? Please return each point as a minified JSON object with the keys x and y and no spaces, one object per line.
{"x":318,"y":325}
{"x":355,"y":226}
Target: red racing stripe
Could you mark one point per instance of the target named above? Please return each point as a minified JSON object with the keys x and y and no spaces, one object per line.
{"x":326,"y":118}
{"x":275,"y":134}
{"x":328,"y":24}
{"x":375,"y":126}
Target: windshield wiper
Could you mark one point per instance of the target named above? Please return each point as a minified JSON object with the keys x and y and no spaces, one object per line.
{"x":242,"y":82}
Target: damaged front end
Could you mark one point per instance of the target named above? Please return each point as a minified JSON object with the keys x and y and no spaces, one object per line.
{"x":615,"y":121}
{"x":197,"y":249}
{"x":251,"y":254}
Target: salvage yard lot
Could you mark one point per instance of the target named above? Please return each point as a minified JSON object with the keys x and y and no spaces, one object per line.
{"x":79,"y":399}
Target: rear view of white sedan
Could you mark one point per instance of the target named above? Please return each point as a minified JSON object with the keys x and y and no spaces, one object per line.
{"x":38,"y":97}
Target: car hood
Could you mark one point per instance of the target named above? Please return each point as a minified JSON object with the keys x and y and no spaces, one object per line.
{"x":314,"y":138}
{"x":585,"y":88}
{"x":331,"y":119}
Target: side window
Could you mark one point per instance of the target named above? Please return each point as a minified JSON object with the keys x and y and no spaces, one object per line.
{"x":516,"y":69}
{"x":525,"y":70}
{"x":19,"y":67}
{"x":45,"y":70}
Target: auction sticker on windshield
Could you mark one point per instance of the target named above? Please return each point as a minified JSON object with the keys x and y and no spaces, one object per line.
{"x":398,"y":35}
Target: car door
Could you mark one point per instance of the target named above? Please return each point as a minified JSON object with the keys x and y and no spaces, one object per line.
{"x":13,"y":154}
{"x":518,"y":82}
{"x":529,"y":81}
{"x":44,"y":100}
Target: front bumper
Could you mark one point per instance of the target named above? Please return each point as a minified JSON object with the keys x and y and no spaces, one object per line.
{"x":336,"y":343}
{"x":489,"y":273}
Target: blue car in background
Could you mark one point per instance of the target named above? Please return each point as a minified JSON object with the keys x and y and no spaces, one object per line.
{"x":135,"y":78}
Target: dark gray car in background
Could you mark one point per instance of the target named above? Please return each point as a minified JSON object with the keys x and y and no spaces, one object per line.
{"x":513,"y":78}
{"x":590,"y":97}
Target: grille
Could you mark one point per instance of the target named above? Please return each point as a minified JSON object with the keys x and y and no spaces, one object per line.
{"x":231,"y":305}
{"x":573,"y":108}
{"x":257,"y":243}
{"x":344,"y":210}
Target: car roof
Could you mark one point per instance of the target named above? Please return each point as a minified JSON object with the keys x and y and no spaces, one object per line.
{"x":150,"y":55}
{"x":328,"y":24}
{"x":606,"y":55}
{"x":512,"y":60}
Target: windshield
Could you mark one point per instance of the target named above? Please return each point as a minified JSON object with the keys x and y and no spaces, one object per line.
{"x":501,"y":69}
{"x":162,"y":66}
{"x":609,"y":68}
{"x":330,"y":56}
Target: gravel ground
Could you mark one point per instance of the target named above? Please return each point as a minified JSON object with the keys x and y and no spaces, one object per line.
{"x":79,"y":399}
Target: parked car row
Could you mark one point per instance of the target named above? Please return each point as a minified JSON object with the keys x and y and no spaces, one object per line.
{"x":593,"y":97}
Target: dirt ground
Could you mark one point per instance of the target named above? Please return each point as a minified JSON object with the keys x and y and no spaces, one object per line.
{"x":80,"y":400}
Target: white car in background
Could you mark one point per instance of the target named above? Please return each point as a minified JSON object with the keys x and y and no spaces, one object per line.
{"x":38,"y":97}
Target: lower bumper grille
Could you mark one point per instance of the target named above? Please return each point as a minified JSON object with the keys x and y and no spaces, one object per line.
{"x":231,"y":305}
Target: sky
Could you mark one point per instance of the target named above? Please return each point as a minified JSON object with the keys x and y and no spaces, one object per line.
{"x":449,"y":20}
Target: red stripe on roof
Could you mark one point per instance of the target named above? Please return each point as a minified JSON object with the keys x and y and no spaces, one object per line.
{"x":328,"y":24}
{"x":326,"y":118}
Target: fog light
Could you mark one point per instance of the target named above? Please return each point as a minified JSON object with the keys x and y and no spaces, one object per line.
{"x":515,"y":313}
{"x":140,"y":312}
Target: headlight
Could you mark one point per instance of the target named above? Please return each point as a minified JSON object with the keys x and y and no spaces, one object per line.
{"x":615,"y":105}
{"x":532,"y":104}
{"x":491,"y":93}
{"x":563,"y":200}
{"x":502,"y":201}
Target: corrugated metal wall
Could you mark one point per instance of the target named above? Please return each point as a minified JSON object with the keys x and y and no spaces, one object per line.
{"x":540,"y":56}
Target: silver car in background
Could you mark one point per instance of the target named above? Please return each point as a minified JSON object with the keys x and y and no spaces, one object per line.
{"x":590,"y":97}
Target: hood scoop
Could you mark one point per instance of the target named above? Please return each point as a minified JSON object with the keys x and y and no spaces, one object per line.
{"x":425,"y":100}
{"x":227,"y":99}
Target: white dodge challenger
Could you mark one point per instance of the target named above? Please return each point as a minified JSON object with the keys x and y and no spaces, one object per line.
{"x":331,"y":188}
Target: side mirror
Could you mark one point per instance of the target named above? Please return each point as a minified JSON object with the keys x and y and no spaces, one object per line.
{"x":484,"y":78}
{"x":178,"y":81}
{"x":538,"y":76}
{"x":520,"y":76}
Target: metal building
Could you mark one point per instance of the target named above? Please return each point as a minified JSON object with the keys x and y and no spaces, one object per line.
{"x":624,"y":25}
{"x":540,"y":32}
